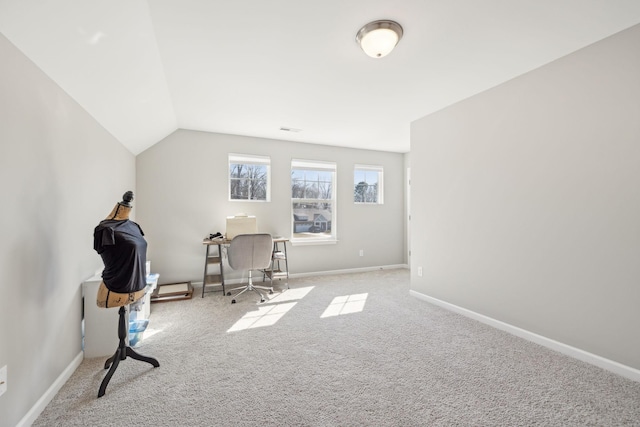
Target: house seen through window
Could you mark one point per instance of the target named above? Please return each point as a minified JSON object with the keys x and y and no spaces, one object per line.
{"x":313,"y":200}
{"x":249,"y":177}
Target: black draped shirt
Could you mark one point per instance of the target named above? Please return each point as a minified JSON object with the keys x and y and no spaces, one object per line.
{"x":123,"y":249}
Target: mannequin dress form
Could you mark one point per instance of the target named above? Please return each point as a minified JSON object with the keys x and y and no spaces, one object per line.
{"x":117,"y":235}
{"x":121,"y":245}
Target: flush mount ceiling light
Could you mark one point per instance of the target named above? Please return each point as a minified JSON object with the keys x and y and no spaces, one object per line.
{"x":378,"y":38}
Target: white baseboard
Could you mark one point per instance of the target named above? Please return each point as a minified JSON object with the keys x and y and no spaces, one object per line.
{"x":42,"y":403}
{"x":350,"y":270}
{"x":319,"y":273}
{"x":593,"y":359}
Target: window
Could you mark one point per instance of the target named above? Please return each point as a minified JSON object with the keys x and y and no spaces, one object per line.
{"x":313,"y":189}
{"x":249,"y":177}
{"x":367,"y":184}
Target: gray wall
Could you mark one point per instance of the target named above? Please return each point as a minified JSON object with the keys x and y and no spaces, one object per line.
{"x":526,"y":201}
{"x":60,"y":174}
{"x":183,"y":196}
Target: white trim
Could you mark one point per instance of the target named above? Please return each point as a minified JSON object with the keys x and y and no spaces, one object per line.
{"x":42,"y":403}
{"x":376,"y":168}
{"x":349,"y":270}
{"x":313,"y":165}
{"x":576,"y":353}
{"x":312,"y":242}
{"x":249,"y":159}
{"x":319,"y":273}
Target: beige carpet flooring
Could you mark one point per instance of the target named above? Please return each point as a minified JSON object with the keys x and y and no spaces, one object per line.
{"x":341,"y":350}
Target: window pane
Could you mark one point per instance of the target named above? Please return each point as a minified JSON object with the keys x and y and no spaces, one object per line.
{"x":359,"y":176}
{"x":309,"y":184}
{"x":239,"y":189}
{"x":312,"y":200}
{"x":248,"y":181}
{"x":367,"y":188}
{"x":312,"y":219}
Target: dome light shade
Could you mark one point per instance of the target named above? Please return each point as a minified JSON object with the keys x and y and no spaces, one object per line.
{"x":378,"y":38}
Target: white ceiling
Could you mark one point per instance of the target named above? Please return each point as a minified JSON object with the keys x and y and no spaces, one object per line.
{"x":144,"y":68}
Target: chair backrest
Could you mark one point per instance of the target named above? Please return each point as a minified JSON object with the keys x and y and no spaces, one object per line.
{"x":250,"y":251}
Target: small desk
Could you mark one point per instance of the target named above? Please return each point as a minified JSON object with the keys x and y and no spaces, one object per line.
{"x":215,"y":278}
{"x":275,"y":270}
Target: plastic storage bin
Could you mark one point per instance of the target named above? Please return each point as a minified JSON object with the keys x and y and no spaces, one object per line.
{"x":136,"y":329}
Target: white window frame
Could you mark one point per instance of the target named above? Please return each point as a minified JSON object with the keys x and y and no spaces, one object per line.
{"x":248,"y":159}
{"x":374,"y":169}
{"x":313,"y":238}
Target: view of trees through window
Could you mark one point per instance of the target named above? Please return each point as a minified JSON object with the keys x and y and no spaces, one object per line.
{"x":367,"y":184}
{"x":248,"y":179}
{"x":312,"y":202}
{"x":313,"y":198}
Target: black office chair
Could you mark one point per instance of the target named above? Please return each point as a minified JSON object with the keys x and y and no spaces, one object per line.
{"x":250,"y":252}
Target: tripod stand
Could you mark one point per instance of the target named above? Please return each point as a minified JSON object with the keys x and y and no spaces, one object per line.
{"x":122,"y":353}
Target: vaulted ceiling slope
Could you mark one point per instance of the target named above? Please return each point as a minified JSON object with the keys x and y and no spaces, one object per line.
{"x":144,"y":68}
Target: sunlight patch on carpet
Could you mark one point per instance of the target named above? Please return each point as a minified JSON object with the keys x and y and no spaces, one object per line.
{"x":149,"y":332}
{"x":265,"y":315}
{"x":346,"y":304}
{"x":291,"y":295}
{"x":270,"y":312}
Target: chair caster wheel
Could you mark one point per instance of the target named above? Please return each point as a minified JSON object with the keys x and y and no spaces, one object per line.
{"x":261,"y":300}
{"x":271,"y":291}
{"x":228,"y":294}
{"x":233,"y":301}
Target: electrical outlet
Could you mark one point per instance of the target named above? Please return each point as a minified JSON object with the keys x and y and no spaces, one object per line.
{"x":3,"y":379}
{"x":361,"y":252}
{"x":419,"y":271}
